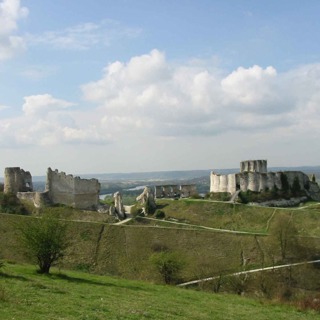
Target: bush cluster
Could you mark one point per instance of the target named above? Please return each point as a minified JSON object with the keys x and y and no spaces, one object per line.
{"x":9,"y":203}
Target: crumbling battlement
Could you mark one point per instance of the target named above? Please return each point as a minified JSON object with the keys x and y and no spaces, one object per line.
{"x":73,"y":191}
{"x":171,"y":191}
{"x":253,"y":166}
{"x":17,"y":180}
{"x":253,"y":176}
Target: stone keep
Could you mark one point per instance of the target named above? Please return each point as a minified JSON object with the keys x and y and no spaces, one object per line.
{"x":254,"y":176}
{"x":17,"y":180}
{"x":72,"y":191}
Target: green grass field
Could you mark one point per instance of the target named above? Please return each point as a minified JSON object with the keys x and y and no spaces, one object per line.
{"x":26,"y":295}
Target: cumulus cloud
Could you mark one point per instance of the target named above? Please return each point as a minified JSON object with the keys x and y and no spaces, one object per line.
{"x":84,"y":36}
{"x":149,"y":96}
{"x":185,"y":99}
{"x":43,"y":103}
{"x":46,"y":121}
{"x":10,"y":12}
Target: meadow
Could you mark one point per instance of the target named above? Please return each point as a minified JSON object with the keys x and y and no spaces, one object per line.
{"x":27,"y":295}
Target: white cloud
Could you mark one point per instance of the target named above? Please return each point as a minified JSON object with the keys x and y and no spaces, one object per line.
{"x":10,"y":12}
{"x":84,"y":36}
{"x":43,"y":103}
{"x":150,"y":97}
{"x":250,"y":87}
{"x":189,"y":99}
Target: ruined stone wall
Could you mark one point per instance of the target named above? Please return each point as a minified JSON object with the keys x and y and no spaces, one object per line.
{"x":38,"y":199}
{"x":187,"y":190}
{"x":253,"y":166}
{"x":302,"y":177}
{"x":223,"y":183}
{"x":17,"y":180}
{"x":255,"y":181}
{"x":174,"y":190}
{"x":158,"y":191}
{"x":73,"y":191}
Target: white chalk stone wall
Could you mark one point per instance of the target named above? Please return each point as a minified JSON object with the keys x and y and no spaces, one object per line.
{"x":222,"y":183}
{"x":17,"y":180}
{"x":73,"y":191}
{"x":253,"y":166}
{"x":254,"y":177}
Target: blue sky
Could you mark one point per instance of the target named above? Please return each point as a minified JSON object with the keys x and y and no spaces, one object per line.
{"x":146,"y":85}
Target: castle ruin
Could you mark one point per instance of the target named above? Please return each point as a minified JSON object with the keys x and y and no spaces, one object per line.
{"x":60,"y":188}
{"x":17,"y":180}
{"x":174,"y":191}
{"x":72,"y":191}
{"x":254,"y":176}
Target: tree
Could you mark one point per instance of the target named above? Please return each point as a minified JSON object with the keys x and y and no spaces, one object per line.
{"x":45,"y":239}
{"x":285,"y":234}
{"x":284,"y":182}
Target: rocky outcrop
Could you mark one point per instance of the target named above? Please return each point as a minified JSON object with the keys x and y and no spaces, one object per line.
{"x":283,"y":203}
{"x":118,"y":205}
{"x":147,"y":196}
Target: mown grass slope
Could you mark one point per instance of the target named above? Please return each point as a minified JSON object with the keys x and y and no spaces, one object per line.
{"x":26,"y":295}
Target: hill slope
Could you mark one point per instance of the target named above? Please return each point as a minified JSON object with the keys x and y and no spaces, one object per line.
{"x":26,"y":295}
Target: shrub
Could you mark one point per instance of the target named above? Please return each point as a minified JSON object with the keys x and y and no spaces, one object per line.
{"x":9,"y":203}
{"x":218,"y":196}
{"x":160,"y":214}
{"x":149,"y":207}
{"x":195,"y":196}
{"x":168,"y":264}
{"x":136,"y":211}
{"x":45,"y":240}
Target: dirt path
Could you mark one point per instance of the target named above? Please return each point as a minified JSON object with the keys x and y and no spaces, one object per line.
{"x":207,"y":228}
{"x":247,"y":272}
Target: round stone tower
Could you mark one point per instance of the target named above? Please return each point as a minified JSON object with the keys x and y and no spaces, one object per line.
{"x":17,"y":180}
{"x":254,"y":166}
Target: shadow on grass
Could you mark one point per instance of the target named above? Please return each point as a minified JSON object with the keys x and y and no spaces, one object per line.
{"x":11,"y":276}
{"x":93,"y":282}
{"x":161,"y":206}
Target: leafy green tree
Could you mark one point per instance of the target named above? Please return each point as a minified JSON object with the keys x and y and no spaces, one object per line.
{"x":168,"y":264}
{"x":45,"y":240}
